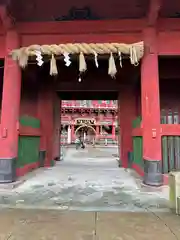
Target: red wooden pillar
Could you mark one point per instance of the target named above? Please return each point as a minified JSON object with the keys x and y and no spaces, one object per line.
{"x":126,"y":114}
{"x":10,"y":112}
{"x":57,"y":126}
{"x":119,"y":129}
{"x":113,"y":130}
{"x":97,"y":131}
{"x":42,"y":118}
{"x":72,"y":132}
{"x":151,"y":111}
{"x":45,"y":114}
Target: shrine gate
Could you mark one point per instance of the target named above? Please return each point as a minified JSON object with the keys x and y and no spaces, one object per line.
{"x":131,"y":54}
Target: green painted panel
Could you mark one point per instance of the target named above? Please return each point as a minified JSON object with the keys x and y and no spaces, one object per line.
{"x":163,"y":117}
{"x":171,"y":152}
{"x":165,"y":154}
{"x":29,"y":121}
{"x":28,"y":150}
{"x":136,"y":122}
{"x":137,"y":151}
{"x":177,"y":152}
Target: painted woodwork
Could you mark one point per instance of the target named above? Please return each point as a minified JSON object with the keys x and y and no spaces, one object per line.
{"x":45,"y":105}
{"x":150,"y":102}
{"x":126,"y":116}
{"x":111,"y":30}
{"x":28,"y":145}
{"x":10,"y":115}
{"x":150,"y":99}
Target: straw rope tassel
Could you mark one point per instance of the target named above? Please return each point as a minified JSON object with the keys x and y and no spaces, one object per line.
{"x":112,"y":66}
{"x":53,"y":66}
{"x":82,"y":63}
{"x":23,"y":60}
{"x":133,"y":56}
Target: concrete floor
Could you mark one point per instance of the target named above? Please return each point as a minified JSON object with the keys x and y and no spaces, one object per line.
{"x":88,"y":180}
{"x":72,"y":225}
{"x":113,"y":203}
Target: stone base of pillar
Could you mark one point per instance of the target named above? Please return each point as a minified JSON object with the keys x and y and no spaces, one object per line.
{"x":8,"y":170}
{"x":42,"y":157}
{"x":153,"y":173}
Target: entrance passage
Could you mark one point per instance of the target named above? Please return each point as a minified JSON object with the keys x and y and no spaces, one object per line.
{"x":99,"y":107}
{"x":96,"y":100}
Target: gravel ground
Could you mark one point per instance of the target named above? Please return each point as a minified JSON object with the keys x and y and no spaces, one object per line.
{"x":88,"y":180}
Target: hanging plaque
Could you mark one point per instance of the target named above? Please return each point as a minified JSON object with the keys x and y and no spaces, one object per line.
{"x":85,"y":121}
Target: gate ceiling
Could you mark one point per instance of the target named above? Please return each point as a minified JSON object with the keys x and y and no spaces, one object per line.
{"x":40,"y":10}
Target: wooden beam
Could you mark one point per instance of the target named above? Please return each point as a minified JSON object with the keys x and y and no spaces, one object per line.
{"x":7,"y":20}
{"x":84,"y":27}
{"x":153,"y":13}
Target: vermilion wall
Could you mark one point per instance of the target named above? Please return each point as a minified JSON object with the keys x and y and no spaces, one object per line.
{"x":2,"y":42}
{"x":1,"y":86}
{"x":128,"y":112}
{"x":29,"y":107}
{"x":29,"y":101}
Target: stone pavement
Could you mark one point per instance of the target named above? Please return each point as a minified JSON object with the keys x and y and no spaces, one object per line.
{"x":72,"y":225}
{"x":87,"y":180}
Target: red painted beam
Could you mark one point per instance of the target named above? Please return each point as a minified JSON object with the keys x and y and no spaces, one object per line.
{"x":137,"y":132}
{"x":84,"y":27}
{"x":98,"y":27}
{"x":6,"y":18}
{"x":29,"y":39}
{"x":170,"y":130}
{"x":168,"y":24}
{"x":168,"y":43}
{"x":29,"y":131}
{"x":166,"y":130}
{"x":153,"y":13}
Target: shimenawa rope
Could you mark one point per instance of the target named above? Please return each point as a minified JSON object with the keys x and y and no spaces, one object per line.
{"x":135,"y":52}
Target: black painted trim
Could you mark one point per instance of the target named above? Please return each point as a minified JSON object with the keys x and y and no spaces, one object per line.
{"x":153,"y":173}
{"x":42,"y":156}
{"x":8,"y":170}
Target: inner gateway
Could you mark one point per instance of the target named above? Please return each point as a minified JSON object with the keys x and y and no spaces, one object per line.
{"x":95,"y":121}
